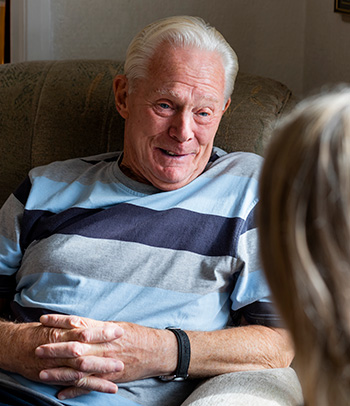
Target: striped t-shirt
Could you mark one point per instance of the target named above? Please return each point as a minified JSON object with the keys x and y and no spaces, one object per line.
{"x":79,"y":237}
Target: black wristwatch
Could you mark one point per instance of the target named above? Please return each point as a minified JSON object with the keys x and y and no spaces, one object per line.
{"x":184,"y":356}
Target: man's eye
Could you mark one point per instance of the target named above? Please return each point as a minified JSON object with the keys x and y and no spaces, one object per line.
{"x":204,"y":114}
{"x":164,"y":105}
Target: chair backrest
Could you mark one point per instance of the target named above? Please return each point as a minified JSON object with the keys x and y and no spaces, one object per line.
{"x":55,"y":110}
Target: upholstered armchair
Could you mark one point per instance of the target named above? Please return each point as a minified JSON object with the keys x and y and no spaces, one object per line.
{"x":55,"y":110}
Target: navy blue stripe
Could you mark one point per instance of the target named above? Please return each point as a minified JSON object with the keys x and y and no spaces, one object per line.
{"x":262,"y":313}
{"x":94,"y":162}
{"x":214,"y":156}
{"x":7,"y":286}
{"x":22,"y":314}
{"x":177,"y":229}
{"x":250,"y":223}
{"x":23,"y":190}
{"x":39,"y":224}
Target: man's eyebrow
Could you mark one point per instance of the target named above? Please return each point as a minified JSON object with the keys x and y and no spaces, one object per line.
{"x":173,"y":93}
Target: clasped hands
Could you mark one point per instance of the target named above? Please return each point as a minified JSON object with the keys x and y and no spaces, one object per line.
{"x":88,"y":355}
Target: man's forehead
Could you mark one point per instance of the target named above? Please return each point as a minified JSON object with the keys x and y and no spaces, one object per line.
{"x":181,"y":94}
{"x":184,"y":73}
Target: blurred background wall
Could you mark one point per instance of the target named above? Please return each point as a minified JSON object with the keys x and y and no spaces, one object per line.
{"x":301,"y":43}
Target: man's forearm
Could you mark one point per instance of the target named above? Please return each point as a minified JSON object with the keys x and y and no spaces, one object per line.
{"x":238,"y":349}
{"x":17,"y":347}
{"x":7,"y":333}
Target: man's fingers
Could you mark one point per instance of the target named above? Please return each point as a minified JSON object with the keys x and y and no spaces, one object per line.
{"x":69,"y":322}
{"x":62,"y":350}
{"x":79,"y":383}
{"x":86,"y":385}
{"x":105,"y":334}
{"x":72,"y":392}
{"x":73,"y":328}
{"x":64,"y":321}
{"x":76,"y":368}
{"x":93,"y":383}
{"x":71,"y":349}
{"x":62,"y":375}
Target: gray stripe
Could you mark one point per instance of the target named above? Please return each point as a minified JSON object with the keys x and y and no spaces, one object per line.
{"x":78,"y":169}
{"x":242,"y":164}
{"x":127,"y":262}
{"x":10,"y":217}
{"x":247,"y":249}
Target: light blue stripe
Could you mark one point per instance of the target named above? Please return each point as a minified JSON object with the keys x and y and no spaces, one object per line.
{"x":237,"y":198}
{"x":153,"y":307}
{"x":237,"y":201}
{"x":250,"y":287}
{"x":10,"y":256}
{"x":61,"y":195}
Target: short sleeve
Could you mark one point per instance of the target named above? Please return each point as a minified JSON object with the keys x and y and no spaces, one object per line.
{"x":251,"y":297}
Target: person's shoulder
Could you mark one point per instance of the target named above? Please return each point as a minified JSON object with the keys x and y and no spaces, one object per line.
{"x":67,"y":170}
{"x":244,"y":164}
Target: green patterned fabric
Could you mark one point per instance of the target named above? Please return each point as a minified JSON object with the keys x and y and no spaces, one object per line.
{"x":54,"y":110}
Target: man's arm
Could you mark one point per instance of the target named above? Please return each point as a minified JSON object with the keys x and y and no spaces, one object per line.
{"x":147,"y":352}
{"x":239,"y":349}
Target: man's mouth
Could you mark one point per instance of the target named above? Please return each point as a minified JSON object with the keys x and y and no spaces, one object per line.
{"x":170,"y":153}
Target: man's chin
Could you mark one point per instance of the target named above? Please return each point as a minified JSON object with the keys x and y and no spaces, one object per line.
{"x":172,"y":178}
{"x":170,"y":184}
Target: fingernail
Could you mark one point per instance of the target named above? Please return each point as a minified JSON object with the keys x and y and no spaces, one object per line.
{"x":39,"y":352}
{"x":119,"y":366}
{"x":44,"y":375}
{"x":61,"y":397}
{"x":118,"y":331}
{"x":43,"y":319}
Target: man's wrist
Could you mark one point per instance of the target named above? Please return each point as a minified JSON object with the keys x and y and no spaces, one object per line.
{"x":184,"y":356}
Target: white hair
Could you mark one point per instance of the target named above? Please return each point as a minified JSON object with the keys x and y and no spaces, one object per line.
{"x":180,"y":31}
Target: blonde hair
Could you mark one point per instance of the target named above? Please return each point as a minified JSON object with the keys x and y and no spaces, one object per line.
{"x":304,"y":226}
{"x":179,"y":31}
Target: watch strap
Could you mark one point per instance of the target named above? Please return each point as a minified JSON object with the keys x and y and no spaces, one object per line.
{"x":184,"y":356}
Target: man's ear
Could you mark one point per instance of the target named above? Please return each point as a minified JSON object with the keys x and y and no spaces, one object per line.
{"x":120,"y":87}
{"x":227,"y":105}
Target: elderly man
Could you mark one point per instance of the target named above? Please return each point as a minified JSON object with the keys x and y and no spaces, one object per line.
{"x":123,"y":247}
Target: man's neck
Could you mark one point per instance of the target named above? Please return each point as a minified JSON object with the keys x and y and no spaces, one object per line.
{"x":132,"y":175}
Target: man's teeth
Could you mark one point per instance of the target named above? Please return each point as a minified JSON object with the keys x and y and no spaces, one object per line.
{"x":171,"y":153}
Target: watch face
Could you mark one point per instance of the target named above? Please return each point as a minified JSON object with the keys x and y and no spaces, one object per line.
{"x":169,"y":378}
{"x":180,"y":378}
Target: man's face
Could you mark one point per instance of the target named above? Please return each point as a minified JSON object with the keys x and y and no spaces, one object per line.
{"x":171,"y":117}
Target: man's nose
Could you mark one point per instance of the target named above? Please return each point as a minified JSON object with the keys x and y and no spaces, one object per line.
{"x":182,"y":127}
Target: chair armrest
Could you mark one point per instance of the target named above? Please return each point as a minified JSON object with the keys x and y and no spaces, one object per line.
{"x":271,"y":387}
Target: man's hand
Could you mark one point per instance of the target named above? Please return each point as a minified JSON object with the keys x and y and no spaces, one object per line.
{"x":19,"y":351}
{"x":143,"y":352}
